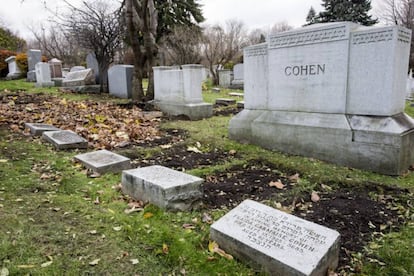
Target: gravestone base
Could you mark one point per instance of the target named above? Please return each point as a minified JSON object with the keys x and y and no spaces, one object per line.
{"x":31,"y":76}
{"x":45,"y":84}
{"x":103,"y":161}
{"x":194,"y":111}
{"x":225,"y":101}
{"x":237,"y":84}
{"x":94,"y":89}
{"x":58,"y":81}
{"x":375,"y":143}
{"x":164,"y":187}
{"x":65,"y":139}
{"x":13,"y":76}
{"x":37,"y":129}
{"x":276,"y":242}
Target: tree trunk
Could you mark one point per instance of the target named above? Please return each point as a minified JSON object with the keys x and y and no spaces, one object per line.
{"x":103,"y":77}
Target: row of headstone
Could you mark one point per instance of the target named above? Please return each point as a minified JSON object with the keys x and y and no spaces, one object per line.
{"x":179,"y":91}
{"x":321,"y":91}
{"x":232,"y":78}
{"x":273,"y":241}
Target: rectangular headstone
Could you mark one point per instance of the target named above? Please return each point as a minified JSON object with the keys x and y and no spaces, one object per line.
{"x":65,"y":139}
{"x":163,"y":187}
{"x":275,"y":241}
{"x":33,"y":57}
{"x":14,"y":71}
{"x":103,"y":161}
{"x":43,"y":78}
{"x":37,"y":129}
{"x":225,"y":77}
{"x":55,"y":68}
{"x":79,"y":78}
{"x":120,"y":81}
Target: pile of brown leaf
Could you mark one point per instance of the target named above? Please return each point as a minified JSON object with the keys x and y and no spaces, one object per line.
{"x":103,"y":124}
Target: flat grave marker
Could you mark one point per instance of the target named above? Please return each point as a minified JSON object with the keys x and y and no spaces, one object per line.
{"x":163,"y":187}
{"x":37,"y":129}
{"x":65,"y":139}
{"x":104,"y":161}
{"x":275,"y":241}
{"x":225,"y":101}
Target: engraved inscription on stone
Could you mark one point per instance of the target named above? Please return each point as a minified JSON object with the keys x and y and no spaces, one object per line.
{"x":67,"y":137}
{"x":276,"y":231}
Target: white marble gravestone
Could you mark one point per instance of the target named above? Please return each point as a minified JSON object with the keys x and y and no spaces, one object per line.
{"x":278,"y":243}
{"x":238,"y":76}
{"x":178,"y":91}
{"x":37,"y":129}
{"x":43,"y":78}
{"x":225,"y":77}
{"x":163,"y":187}
{"x":104,"y":161}
{"x":14,"y":71}
{"x":65,"y":139}
{"x":322,"y":91}
{"x":120,"y":81}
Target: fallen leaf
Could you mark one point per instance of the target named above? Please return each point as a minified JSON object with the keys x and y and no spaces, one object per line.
{"x":232,"y":152}
{"x":315,"y":197}
{"x":214,"y":248}
{"x":3,"y":160}
{"x":19,"y":200}
{"x":165,"y":146}
{"x":165,"y":248}
{"x":134,"y":261}
{"x":97,"y":201}
{"x":4,"y":272}
{"x":188,"y":226}
{"x":132,"y":210}
{"x":46,"y":264}
{"x":94,"y":262}
{"x":117,"y":228}
{"x":194,"y":149}
{"x":326,"y":187}
{"x":294,"y":178}
{"x":26,"y":266}
{"x":207,"y":218}
{"x":148,"y":215}
{"x":278,"y":184}
{"x":93,"y":232}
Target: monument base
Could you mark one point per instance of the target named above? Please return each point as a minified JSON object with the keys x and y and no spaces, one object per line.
{"x":31,"y":76}
{"x":45,"y":84}
{"x":194,"y":111}
{"x":93,"y":89}
{"x":376,"y":143}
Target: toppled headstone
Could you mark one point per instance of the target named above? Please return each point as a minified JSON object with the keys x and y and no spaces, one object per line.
{"x":77,"y":68}
{"x":104,"y":161}
{"x":225,"y":101}
{"x":37,"y":129}
{"x":236,"y":94}
{"x":79,"y":78}
{"x":65,"y":139}
{"x":277,"y":242}
{"x":163,"y":187}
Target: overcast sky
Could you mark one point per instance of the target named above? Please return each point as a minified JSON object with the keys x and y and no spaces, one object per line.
{"x":19,"y":16}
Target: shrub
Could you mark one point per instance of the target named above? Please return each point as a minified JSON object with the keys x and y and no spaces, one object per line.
{"x":4,"y":54}
{"x":21,"y":60}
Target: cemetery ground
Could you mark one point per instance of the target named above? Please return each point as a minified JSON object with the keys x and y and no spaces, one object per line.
{"x":58,"y":218}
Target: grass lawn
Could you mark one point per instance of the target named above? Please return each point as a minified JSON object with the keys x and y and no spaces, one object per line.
{"x":56,"y":220}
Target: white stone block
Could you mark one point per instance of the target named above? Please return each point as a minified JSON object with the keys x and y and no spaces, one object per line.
{"x":43,"y":78}
{"x":104,"y":161}
{"x":163,"y":187}
{"x":65,"y":139}
{"x":277,"y":242}
{"x":37,"y":129}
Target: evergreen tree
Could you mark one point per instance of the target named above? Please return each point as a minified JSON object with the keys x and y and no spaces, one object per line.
{"x":311,"y":17}
{"x":347,"y":10}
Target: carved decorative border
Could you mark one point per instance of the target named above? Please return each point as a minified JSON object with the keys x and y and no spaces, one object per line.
{"x":259,"y":50}
{"x":308,"y":37}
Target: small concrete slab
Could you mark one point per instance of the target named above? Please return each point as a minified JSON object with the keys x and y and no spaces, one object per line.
{"x":277,"y":242}
{"x":65,"y":139}
{"x":104,"y":161}
{"x":236,"y":94}
{"x":240,"y":104}
{"x":163,"y":187}
{"x":216,"y":90}
{"x":225,"y":101}
{"x":37,"y":129}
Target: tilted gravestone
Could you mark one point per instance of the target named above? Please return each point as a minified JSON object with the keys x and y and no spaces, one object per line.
{"x":33,"y":57}
{"x":120,"y":81}
{"x":178,"y":91}
{"x":14,"y":71}
{"x":43,"y":78}
{"x":104,"y":161}
{"x":321,"y":91}
{"x":278,"y":243}
{"x":92,"y":62}
{"x":79,"y":78}
{"x":163,"y":187}
{"x":65,"y":139}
